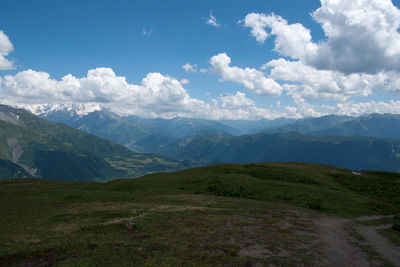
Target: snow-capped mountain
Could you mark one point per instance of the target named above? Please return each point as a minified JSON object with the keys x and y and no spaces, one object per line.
{"x":138,"y":134}
{"x":98,"y":120}
{"x":74,"y":109}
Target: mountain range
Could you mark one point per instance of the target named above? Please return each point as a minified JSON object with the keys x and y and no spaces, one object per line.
{"x":138,"y":134}
{"x":152,"y":135}
{"x":31,"y":146}
{"x":372,"y":125}
{"x":99,"y":144}
{"x":355,"y":153}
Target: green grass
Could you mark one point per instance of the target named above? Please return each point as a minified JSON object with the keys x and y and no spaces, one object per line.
{"x":374,"y":256}
{"x":367,"y":249}
{"x":99,"y":227}
{"x":392,"y":235}
{"x":225,"y":215}
{"x":331,"y":190}
{"x":376,"y":222}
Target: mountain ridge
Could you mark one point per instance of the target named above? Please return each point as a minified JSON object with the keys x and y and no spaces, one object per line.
{"x":208,"y":141}
{"x":179,"y":127}
{"x":57,"y":151}
{"x":340,"y":151}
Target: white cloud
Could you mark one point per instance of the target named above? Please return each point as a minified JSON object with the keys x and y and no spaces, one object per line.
{"x":360,"y":54}
{"x":238,"y":106}
{"x":147,"y":32}
{"x":292,"y":40}
{"x":211,"y":20}
{"x":257,"y":22}
{"x":190,"y":68}
{"x":361,"y":36}
{"x":6,"y":47}
{"x":303,"y":109}
{"x":156,"y":96}
{"x":239,"y":100}
{"x":252,"y":79}
{"x":357,"y":109}
{"x":30,"y":84}
{"x":311,"y":83}
{"x":184,"y":81}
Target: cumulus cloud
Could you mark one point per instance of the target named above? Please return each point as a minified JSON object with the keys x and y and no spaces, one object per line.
{"x":291,"y":40}
{"x":310,"y":83}
{"x":361,"y":36}
{"x":6,"y":47}
{"x":189,"y":67}
{"x":359,"y":54}
{"x":159,"y":96}
{"x":302,"y":109}
{"x":211,"y":20}
{"x":156,"y":96}
{"x":252,"y":79}
{"x":238,"y":106}
{"x":357,"y":109}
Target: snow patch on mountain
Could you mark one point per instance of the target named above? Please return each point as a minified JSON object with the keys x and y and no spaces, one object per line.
{"x":72,"y":108}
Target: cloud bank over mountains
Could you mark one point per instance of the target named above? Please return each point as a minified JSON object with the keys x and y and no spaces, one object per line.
{"x":156,"y":96}
{"x":360,"y":55}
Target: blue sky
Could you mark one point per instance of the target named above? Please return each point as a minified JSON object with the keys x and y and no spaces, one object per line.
{"x":136,"y":38}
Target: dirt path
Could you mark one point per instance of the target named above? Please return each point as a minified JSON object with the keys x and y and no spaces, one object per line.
{"x":339,"y":248}
{"x":379,"y":243}
{"x":335,"y":244}
{"x":374,"y":217}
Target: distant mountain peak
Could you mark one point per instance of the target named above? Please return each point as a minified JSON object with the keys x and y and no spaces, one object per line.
{"x":75,"y":109}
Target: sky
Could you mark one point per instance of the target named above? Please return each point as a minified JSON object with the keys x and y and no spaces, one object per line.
{"x":213,"y":59}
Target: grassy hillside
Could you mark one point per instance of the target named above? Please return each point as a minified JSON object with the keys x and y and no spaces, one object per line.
{"x":56,"y":151}
{"x":9,"y":170}
{"x":320,"y":187}
{"x":224,"y":215}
